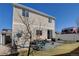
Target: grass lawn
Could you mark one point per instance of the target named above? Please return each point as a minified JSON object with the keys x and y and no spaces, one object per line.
{"x":64,"y":48}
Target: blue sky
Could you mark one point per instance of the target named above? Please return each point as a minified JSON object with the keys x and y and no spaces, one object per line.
{"x":65,"y":14}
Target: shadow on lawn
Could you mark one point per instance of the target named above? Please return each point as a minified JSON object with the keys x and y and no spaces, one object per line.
{"x":73,"y":53}
{"x":14,"y":54}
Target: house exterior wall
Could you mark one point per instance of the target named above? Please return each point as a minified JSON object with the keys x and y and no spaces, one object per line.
{"x":37,"y":22}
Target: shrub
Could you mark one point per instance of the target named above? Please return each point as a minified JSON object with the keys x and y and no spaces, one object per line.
{"x":53,"y":39}
{"x":59,"y":39}
{"x":77,"y":40}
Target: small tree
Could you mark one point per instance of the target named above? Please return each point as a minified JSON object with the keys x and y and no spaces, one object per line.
{"x":26,"y":33}
{"x":77,"y":23}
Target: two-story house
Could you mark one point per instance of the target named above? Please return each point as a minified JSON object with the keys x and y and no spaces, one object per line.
{"x":40,"y":23}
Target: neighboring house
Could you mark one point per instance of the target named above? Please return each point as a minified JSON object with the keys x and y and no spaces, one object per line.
{"x":41,"y":23}
{"x":5,"y":36}
{"x":69,"y":34}
{"x":69,"y":30}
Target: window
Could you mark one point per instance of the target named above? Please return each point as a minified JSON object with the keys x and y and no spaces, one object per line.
{"x":38,"y":32}
{"x":50,"y":20}
{"x":25,"y":13}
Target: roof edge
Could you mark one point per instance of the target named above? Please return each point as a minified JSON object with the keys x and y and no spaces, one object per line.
{"x":32,"y":10}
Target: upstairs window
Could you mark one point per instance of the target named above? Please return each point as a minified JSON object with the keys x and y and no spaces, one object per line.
{"x":50,"y":20}
{"x":25,"y":13}
{"x":38,"y":32}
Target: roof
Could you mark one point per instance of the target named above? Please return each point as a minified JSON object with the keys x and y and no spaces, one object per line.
{"x":69,"y":28}
{"x":32,"y":10}
{"x":6,"y":29}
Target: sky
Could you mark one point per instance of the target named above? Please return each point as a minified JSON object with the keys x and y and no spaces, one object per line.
{"x":65,"y":14}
